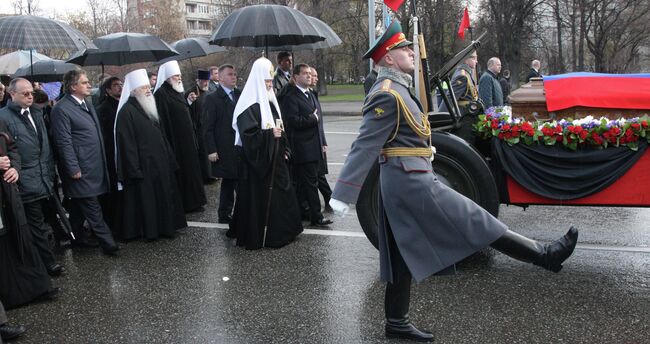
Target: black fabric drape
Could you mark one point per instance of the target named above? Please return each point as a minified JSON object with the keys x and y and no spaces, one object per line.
{"x":558,"y":173}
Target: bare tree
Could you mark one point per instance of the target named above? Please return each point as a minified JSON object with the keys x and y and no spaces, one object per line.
{"x":617,"y":30}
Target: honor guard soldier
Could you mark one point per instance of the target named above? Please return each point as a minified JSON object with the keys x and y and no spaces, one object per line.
{"x":465,"y":88}
{"x":424,"y":225}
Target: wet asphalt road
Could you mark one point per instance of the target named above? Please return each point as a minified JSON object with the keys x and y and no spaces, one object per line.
{"x":324,"y":288}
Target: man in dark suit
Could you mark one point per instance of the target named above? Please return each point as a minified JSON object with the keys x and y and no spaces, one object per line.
{"x":214,"y":78}
{"x":300,"y":110}
{"x":25,"y":123}
{"x":283,"y":72}
{"x":219,"y":137}
{"x":534,"y":70}
{"x":323,"y":185}
{"x":77,"y":136}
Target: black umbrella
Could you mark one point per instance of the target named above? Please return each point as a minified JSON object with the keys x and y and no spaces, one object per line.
{"x":122,"y":48}
{"x":32,"y":32}
{"x":45,"y":70}
{"x":331,"y":39}
{"x":266,"y":26}
{"x":188,"y":48}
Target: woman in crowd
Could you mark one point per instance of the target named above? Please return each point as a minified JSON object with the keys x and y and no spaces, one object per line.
{"x":266,"y":211}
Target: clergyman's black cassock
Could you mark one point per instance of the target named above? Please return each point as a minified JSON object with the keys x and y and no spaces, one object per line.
{"x":253,"y":187}
{"x":150,"y":203}
{"x":196,"y":114}
{"x":177,"y":125}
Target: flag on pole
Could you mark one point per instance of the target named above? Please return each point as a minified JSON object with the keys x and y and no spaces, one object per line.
{"x":464,"y":24}
{"x":394,"y":4}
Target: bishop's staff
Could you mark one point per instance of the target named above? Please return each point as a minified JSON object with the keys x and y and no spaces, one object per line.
{"x":274,"y":158}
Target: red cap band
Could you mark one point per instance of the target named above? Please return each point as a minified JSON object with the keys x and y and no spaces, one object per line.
{"x":387,"y":45}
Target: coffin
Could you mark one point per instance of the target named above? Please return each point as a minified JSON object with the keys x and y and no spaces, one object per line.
{"x":529,"y":101}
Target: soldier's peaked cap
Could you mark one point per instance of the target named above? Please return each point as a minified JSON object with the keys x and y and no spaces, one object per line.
{"x":391,"y":39}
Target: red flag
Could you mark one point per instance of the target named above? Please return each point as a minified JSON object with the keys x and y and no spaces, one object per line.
{"x":394,"y":4}
{"x":464,"y":24}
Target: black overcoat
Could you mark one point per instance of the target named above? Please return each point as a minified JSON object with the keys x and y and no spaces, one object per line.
{"x":77,"y":136}
{"x":219,"y":136}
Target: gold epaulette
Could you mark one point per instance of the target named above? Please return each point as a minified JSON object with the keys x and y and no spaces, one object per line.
{"x":462,"y":72}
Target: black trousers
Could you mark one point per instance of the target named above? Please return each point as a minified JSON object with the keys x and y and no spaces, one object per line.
{"x":324,"y":188}
{"x":35,"y":214}
{"x":226,"y":198}
{"x":398,"y":293}
{"x":89,"y":209}
{"x":307,"y":175}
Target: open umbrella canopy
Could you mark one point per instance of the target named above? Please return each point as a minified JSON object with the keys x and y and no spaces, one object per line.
{"x":9,"y":63}
{"x":34,"y":32}
{"x":188,"y":48}
{"x":331,"y":38}
{"x":265,"y":26}
{"x":45,"y":71}
{"x":122,"y":48}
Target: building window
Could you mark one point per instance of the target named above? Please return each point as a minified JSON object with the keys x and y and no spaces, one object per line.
{"x":190,"y":8}
{"x":204,"y":25}
{"x":203,"y":9}
{"x":191,"y":25}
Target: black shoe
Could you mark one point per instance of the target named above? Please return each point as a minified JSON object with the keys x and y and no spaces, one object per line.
{"x":55,"y":269}
{"x":84,"y":243}
{"x":328,"y":209}
{"x":110,"y":250}
{"x":558,"y":251}
{"x":322,"y":222}
{"x":10,"y":332}
{"x":404,"y":329}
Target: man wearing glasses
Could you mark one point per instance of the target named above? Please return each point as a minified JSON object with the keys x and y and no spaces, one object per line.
{"x":25,"y":123}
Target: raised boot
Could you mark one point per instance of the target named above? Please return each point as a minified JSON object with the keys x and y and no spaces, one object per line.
{"x":396,"y":305}
{"x":549,"y":256}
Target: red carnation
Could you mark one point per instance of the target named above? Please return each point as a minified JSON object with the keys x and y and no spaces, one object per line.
{"x":636,"y":126}
{"x":644,"y":124}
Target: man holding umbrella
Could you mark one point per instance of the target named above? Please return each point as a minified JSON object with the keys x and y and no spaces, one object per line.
{"x":177,"y":125}
{"x":196,"y":99}
{"x":26,"y":125}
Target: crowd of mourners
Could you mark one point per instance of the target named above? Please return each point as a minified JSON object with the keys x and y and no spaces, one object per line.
{"x":129,"y":159}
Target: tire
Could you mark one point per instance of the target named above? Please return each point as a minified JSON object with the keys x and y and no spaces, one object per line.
{"x":456,"y":164}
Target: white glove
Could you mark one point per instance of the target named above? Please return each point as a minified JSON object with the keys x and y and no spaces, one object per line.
{"x":340,"y":208}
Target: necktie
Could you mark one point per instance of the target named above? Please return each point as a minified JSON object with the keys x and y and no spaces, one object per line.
{"x":29,"y":117}
{"x":83,"y":105}
{"x":232,"y":95}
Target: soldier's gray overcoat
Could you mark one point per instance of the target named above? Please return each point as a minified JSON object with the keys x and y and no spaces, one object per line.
{"x":433,"y":225}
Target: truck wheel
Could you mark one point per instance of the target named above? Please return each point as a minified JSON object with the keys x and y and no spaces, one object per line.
{"x":457,"y":165}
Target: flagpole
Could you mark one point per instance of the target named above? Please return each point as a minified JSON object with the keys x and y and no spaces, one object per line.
{"x":371,"y":28}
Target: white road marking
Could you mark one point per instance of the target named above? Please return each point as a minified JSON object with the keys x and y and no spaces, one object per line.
{"x":356,"y":234}
{"x":342,"y":133}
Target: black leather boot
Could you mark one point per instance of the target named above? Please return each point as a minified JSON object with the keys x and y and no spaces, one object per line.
{"x":398,"y":325}
{"x":549,"y":256}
